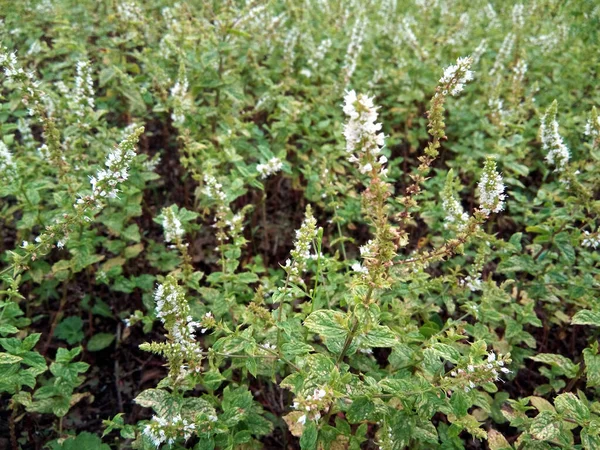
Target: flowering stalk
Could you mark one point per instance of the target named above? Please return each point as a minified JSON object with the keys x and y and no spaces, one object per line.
{"x":558,"y":154}
{"x":295,"y":266}
{"x":456,"y":217}
{"x":354,"y":49}
{"x":452,"y":82}
{"x":364,"y":142}
{"x":182,"y":351}
{"x":38,"y":105}
{"x":104,"y":185}
{"x":83,"y":91}
{"x":592,"y":127}
{"x":179,"y":93}
{"x":469,"y":376}
{"x":491,"y":189}
{"x":174,"y":233}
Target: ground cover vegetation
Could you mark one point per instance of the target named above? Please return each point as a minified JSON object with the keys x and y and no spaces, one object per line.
{"x":306,"y":224}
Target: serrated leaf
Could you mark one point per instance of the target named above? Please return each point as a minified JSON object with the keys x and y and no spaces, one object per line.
{"x":586,"y":317}
{"x":592,"y":367}
{"x":559,"y":361}
{"x":361,"y":409}
{"x":570,"y":406}
{"x":544,"y":426}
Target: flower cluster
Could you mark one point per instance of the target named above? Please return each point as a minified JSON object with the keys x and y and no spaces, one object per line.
{"x":104,"y":184}
{"x":312,"y":404}
{"x":503,"y":53}
{"x":592,"y":126}
{"x":179,"y":94}
{"x":7,"y":164}
{"x":591,"y":239}
{"x":558,"y":153}
{"x":455,"y":214}
{"x":456,"y":75}
{"x":456,"y":217}
{"x":129,"y":11}
{"x":83,"y":91}
{"x":354,"y":48}
{"x":273,"y":166}
{"x":519,"y":71}
{"x":517,"y":15}
{"x":319,"y":54}
{"x":213,"y":189}
{"x":491,"y":189}
{"x":172,"y":225}
{"x":473,"y":283}
{"x":33,"y":97}
{"x":168,"y":430}
{"x":302,"y":245}
{"x":182,"y":350}
{"x":475,"y":374}
{"x":363,"y":133}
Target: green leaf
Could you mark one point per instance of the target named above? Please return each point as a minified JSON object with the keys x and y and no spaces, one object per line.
{"x":590,"y":438}
{"x":70,"y":329}
{"x":7,"y":358}
{"x":83,"y":441}
{"x":586,"y":317}
{"x":592,"y":367}
{"x":332,"y":326}
{"x":545,"y":426}
{"x":379,"y":336}
{"x":247,"y":277}
{"x":559,"y":361}
{"x":447,"y":352}
{"x":570,"y":406}
{"x":460,"y":403}
{"x":308,"y":441}
{"x":157,"y":399}
{"x":100,"y":341}
{"x":361,"y":409}
{"x":563,"y":243}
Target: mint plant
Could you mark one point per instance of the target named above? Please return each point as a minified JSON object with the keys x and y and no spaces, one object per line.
{"x":240,"y":225}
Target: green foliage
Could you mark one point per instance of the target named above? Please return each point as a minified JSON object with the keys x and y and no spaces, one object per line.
{"x":325,"y":224}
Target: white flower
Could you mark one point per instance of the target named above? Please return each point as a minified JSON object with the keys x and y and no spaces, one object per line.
{"x":457,"y":75}
{"x":455,"y":214}
{"x":491,"y":189}
{"x":7,"y":164}
{"x":591,"y":240}
{"x":104,"y":184}
{"x":364,"y":138}
{"x":558,"y":153}
{"x":517,"y":15}
{"x":171,"y":225}
{"x":359,"y":268}
{"x":354,"y":48}
{"x":272,"y":166}
{"x":83,"y":91}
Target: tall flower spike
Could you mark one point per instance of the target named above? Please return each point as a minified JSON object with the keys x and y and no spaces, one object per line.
{"x":7,"y":164}
{"x":104,"y":184}
{"x":456,"y":217}
{"x":491,"y":189}
{"x":592,"y":126}
{"x":171,"y":225}
{"x":558,"y":153}
{"x":364,"y":139}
